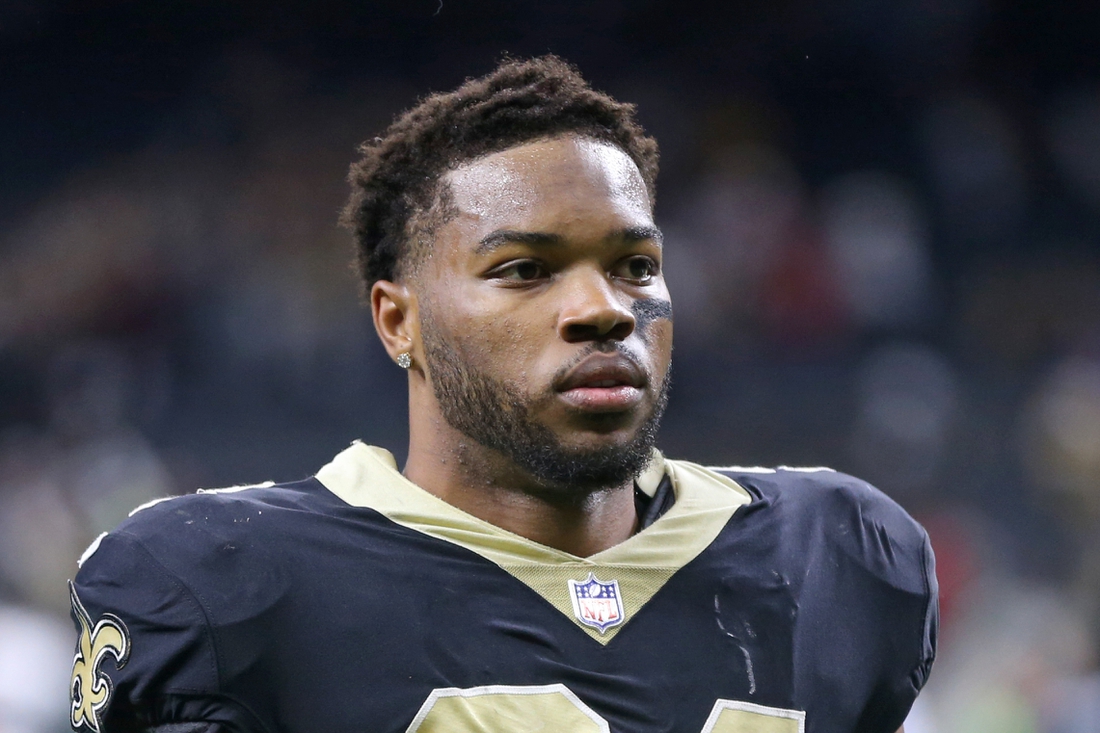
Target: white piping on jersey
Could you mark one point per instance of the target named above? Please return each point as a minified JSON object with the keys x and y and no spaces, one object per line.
{"x":148,"y":504}
{"x":763,"y":469}
{"x":235,"y":489}
{"x":91,"y":549}
{"x":741,"y":469}
{"x":228,"y":490}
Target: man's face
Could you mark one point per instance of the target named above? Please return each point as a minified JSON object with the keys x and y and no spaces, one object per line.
{"x":545,"y":318}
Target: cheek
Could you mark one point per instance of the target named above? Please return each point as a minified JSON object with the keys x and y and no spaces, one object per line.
{"x":501,"y":342}
{"x":517,"y":346}
{"x":527,"y":348}
{"x":661,"y":339}
{"x":648,"y":312}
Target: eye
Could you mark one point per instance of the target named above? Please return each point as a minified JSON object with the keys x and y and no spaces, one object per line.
{"x":520,"y":271}
{"x":640,"y":269}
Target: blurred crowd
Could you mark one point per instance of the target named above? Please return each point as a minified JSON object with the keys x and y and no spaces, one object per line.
{"x":909,"y":293}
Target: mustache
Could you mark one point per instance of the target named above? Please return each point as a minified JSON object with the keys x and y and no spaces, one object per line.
{"x":603,"y":347}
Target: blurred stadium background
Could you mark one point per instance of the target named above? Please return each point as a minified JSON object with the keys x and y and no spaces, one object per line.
{"x":882,"y":222}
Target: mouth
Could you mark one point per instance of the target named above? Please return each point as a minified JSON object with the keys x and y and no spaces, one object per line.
{"x":603,"y":383}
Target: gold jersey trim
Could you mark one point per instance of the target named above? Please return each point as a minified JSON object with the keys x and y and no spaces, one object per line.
{"x":367,"y":476}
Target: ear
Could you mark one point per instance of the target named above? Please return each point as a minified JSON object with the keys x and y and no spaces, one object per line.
{"x":393,"y":308}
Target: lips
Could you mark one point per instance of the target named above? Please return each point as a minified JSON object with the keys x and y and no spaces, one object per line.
{"x":603,"y":383}
{"x":603,"y":371}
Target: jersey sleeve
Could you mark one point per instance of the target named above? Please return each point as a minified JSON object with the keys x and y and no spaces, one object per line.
{"x":894,"y":551}
{"x":145,"y":654}
{"x":896,"y":693}
{"x":930,"y":627}
{"x":868,"y":597}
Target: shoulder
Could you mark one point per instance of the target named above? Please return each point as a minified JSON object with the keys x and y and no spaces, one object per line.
{"x":855,"y":550}
{"x":200,"y":545}
{"x":821,"y":513}
{"x":820,"y":494}
{"x":176,"y":584}
{"x":192,"y":521}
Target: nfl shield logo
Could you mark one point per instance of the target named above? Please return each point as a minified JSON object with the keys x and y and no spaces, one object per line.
{"x":595,"y":603}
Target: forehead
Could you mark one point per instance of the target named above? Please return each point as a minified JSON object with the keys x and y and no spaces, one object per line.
{"x":550,"y":183}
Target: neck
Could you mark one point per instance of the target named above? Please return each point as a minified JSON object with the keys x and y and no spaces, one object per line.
{"x":484,"y":483}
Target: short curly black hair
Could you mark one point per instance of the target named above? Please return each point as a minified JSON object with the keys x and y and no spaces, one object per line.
{"x":396,"y":182}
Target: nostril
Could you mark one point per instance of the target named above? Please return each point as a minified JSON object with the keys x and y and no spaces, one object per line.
{"x":607,"y":331}
{"x":621,"y":330}
{"x":581,"y":332}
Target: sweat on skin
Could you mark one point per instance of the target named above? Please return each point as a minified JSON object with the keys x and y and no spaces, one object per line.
{"x":549,"y":261}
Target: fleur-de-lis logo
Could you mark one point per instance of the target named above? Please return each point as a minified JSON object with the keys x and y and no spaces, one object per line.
{"x":90,"y":689}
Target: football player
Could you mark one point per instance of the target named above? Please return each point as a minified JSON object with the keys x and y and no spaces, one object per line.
{"x":536,"y":564}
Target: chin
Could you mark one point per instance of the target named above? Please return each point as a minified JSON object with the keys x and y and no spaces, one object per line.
{"x":597,"y":440}
{"x":622,"y":426}
{"x":582,"y":462}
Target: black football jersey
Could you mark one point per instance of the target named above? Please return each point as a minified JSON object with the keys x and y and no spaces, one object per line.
{"x":763,"y":601}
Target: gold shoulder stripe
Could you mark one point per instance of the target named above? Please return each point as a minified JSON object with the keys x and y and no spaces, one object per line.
{"x":89,"y":688}
{"x":367,"y":476}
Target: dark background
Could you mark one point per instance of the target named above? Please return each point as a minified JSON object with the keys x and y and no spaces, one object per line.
{"x":882,"y":224}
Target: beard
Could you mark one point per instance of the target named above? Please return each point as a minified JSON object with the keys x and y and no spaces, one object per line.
{"x":497,"y":415}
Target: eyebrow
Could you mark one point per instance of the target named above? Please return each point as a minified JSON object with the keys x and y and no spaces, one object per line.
{"x":501,"y":237}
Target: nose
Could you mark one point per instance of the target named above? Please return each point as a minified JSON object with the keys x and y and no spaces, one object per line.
{"x":593,"y":309}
